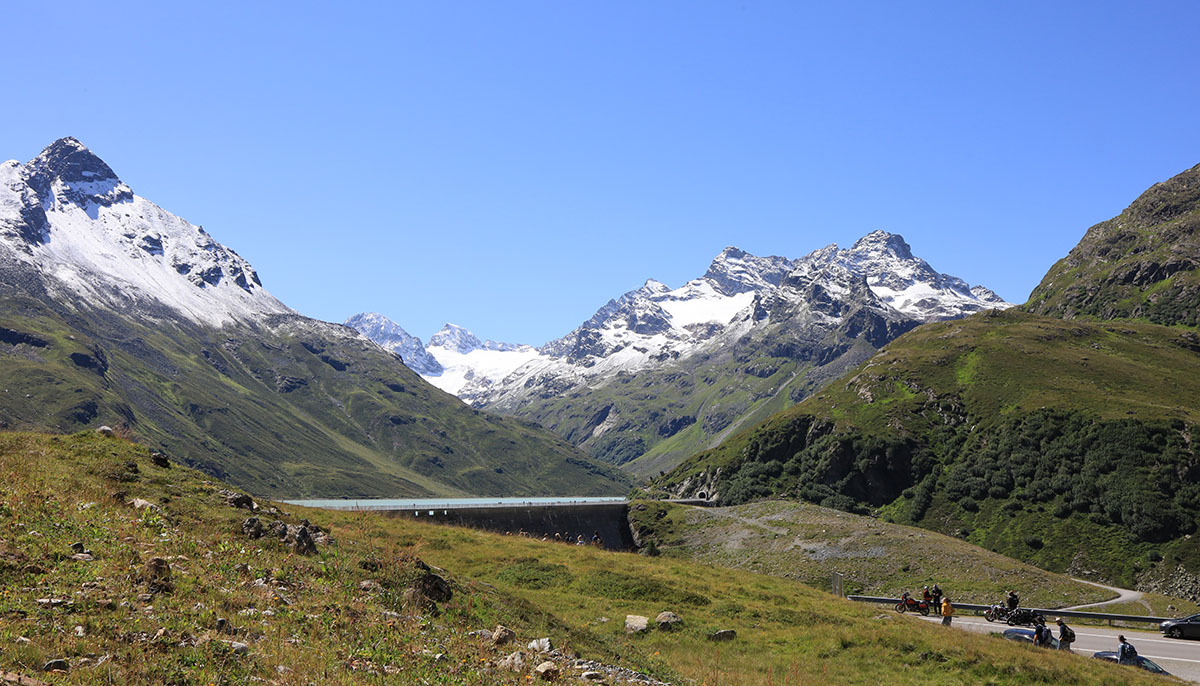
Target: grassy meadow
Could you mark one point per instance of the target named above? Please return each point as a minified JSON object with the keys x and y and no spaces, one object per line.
{"x":342,"y":615}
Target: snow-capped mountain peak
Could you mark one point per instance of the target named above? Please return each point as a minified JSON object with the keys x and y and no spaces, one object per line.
{"x":455,"y":338}
{"x":68,"y":216}
{"x":735,"y":271}
{"x":391,"y":336}
{"x":880,"y":242}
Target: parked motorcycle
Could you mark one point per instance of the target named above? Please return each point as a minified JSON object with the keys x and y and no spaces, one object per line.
{"x":909,"y":604}
{"x":1024,"y":615}
{"x":996,"y":612}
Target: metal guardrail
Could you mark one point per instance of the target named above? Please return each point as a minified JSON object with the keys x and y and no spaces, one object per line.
{"x":1103,"y":616}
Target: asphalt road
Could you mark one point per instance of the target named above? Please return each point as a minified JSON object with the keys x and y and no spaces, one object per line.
{"x":1180,"y":657}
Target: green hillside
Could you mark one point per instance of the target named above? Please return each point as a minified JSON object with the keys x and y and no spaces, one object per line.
{"x":292,"y":408}
{"x":1064,"y":441}
{"x":1028,"y":435}
{"x":655,"y":419}
{"x":170,"y":589}
{"x":1143,"y":264}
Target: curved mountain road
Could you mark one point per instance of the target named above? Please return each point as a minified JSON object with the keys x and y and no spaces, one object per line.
{"x":1124,"y":595}
{"x":1179,"y":657}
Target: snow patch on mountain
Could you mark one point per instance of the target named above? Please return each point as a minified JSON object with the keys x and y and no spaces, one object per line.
{"x":68,"y":216}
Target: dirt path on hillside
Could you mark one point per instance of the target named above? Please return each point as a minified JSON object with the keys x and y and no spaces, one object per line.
{"x":1124,"y":595}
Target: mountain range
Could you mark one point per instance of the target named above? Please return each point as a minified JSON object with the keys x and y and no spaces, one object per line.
{"x":659,"y":373}
{"x":115,"y":311}
{"x":1061,"y":432}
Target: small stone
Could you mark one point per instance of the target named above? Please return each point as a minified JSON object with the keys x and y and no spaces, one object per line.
{"x":515,"y":662}
{"x":370,"y":586}
{"x":668,"y":621}
{"x":140,"y":504}
{"x":540,"y":645}
{"x":83,"y":557}
{"x":281,"y":669}
{"x":723,"y":635}
{"x":106,"y":431}
{"x":238,"y":500}
{"x":592,"y":676}
{"x":304,"y":544}
{"x":636,"y":624}
{"x":80,"y":631}
{"x":56,"y":665}
{"x":22,"y":641}
{"x":502,"y":635}
{"x":548,"y":671}
{"x":158,"y":576}
{"x":160,"y":460}
{"x":77,"y":547}
{"x":252,"y":528}
{"x":239,"y":648}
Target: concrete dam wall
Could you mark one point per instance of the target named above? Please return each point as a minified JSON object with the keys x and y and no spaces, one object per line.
{"x":610,"y":520}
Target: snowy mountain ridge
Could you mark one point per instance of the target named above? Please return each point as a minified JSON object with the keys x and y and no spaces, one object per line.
{"x":654,"y":325}
{"x":67,"y":215}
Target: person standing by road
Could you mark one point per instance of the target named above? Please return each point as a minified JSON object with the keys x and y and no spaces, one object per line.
{"x":1126,"y":653}
{"x":1066,"y":635}
{"x":947,"y":611}
{"x":1013,"y":600}
{"x":937,"y":598}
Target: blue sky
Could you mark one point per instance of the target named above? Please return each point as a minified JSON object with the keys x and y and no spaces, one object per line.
{"x":510,"y":166}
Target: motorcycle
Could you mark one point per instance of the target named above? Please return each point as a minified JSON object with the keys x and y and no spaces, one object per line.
{"x":1023,"y":615}
{"x":996,"y":612}
{"x":909,"y":604}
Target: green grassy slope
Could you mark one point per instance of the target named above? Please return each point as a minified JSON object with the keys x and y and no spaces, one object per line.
{"x":311,"y":618}
{"x":1027,"y":435}
{"x":295,"y":409}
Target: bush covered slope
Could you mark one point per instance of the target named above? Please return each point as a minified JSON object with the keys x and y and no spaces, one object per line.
{"x":1013,"y":430}
{"x":171,"y":590}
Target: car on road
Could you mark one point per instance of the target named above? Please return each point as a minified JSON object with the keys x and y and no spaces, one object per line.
{"x":1187,"y":627}
{"x":1026,"y":636}
{"x":1144,"y":663}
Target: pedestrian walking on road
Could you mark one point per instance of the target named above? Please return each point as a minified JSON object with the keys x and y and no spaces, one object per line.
{"x":1066,"y":635}
{"x":947,"y":611}
{"x":1126,"y":653}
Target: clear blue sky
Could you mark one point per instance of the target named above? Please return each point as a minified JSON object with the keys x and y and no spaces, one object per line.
{"x":510,"y":166}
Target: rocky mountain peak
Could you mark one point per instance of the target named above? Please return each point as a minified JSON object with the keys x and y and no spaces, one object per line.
{"x":456,"y":338}
{"x":67,"y":216}
{"x":880,"y":241}
{"x":736,"y":271}
{"x":67,"y":170}
{"x":391,"y":336}
{"x":71,"y":161}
